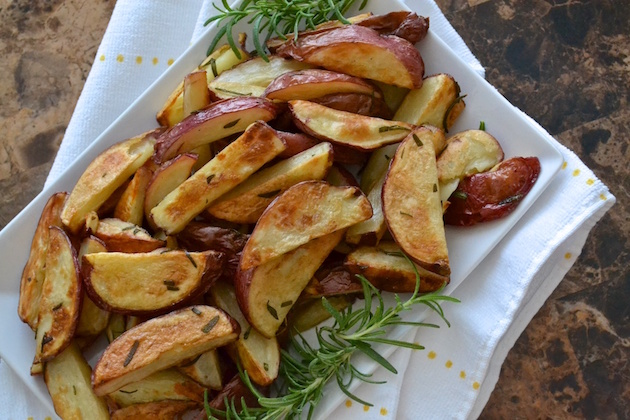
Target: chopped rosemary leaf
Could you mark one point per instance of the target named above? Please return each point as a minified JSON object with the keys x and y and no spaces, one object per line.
{"x":286,"y":303}
{"x":449,"y":110}
{"x":406,"y":214}
{"x":57,"y":307}
{"x":435,"y":187}
{"x":232,"y":123}
{"x":169,"y":282}
{"x":190,"y":258}
{"x":272,"y":310}
{"x":135,"y":231}
{"x":45,"y":340}
{"x":460,"y":194}
{"x":127,"y":228}
{"x":246,"y":335}
{"x":269,"y":194}
{"x":213,"y":66}
{"x":417,"y":140}
{"x":74,"y":389}
{"x":512,"y":199}
{"x":195,"y":310}
{"x":266,"y":366}
{"x":232,"y":92}
{"x":128,"y":392}
{"x":210,"y":325}
{"x":482,"y":125}
{"x":209,"y":178}
{"x":172,"y":288}
{"x":392,"y":128}
{"x":132,"y":352}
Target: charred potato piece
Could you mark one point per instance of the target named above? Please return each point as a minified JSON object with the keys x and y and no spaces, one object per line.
{"x":144,"y":350}
{"x":267,"y":292}
{"x":492,"y":195}
{"x":104,"y":175}
{"x":60,"y":304}
{"x":244,"y":156}
{"x":67,"y":378}
{"x":149,"y":283}
{"x":387,"y":269}
{"x":411,"y":202}
{"x":340,"y":127}
{"x":393,"y":60}
{"x":303,"y":212}
{"x":35,"y":269}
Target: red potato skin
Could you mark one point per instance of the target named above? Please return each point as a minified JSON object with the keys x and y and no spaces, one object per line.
{"x":168,"y":140}
{"x":407,"y":25}
{"x":357,"y":103}
{"x":299,"y":142}
{"x":492,"y":195}
{"x":310,"y":42}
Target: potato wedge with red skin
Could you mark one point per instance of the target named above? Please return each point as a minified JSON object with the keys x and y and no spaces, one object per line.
{"x":34,"y":271}
{"x":387,"y":269}
{"x":216,"y":121}
{"x":259,"y":356}
{"x":466,"y":153}
{"x":195,"y":92}
{"x":160,"y":343}
{"x":341,"y":127}
{"x":258,"y":72}
{"x":305,"y":211}
{"x":149,"y":283}
{"x":120,"y":236}
{"x":339,"y":176}
{"x":165,"y":179}
{"x":315,"y":83}
{"x":492,"y":195}
{"x":205,"y":369}
{"x":247,"y":202}
{"x":357,"y":103}
{"x":267,"y":292}
{"x":393,"y":60}
{"x":92,"y":320}
{"x":235,"y":390}
{"x":411,"y":202}
{"x":67,"y":378}
{"x":403,"y":24}
{"x":60,"y":304}
{"x":156,"y":410}
{"x":130,"y":206}
{"x":104,"y":175}
{"x":299,"y":142}
{"x":370,"y":231}
{"x":258,"y":145}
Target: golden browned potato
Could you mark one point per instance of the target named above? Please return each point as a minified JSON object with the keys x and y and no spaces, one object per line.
{"x":158,"y":410}
{"x":120,"y":236}
{"x":411,"y":202}
{"x":160,"y":343}
{"x":393,"y":60}
{"x":35,"y":269}
{"x":303,"y":212}
{"x":130,"y":206}
{"x":205,"y":369}
{"x":149,"y":283}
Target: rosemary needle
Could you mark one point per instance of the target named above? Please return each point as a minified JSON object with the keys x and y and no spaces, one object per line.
{"x":276,"y":18}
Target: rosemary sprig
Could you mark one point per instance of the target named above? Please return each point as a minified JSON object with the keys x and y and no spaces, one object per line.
{"x":276,"y":17}
{"x":305,"y":369}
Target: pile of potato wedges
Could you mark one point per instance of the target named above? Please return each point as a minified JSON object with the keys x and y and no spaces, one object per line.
{"x":269,"y":184}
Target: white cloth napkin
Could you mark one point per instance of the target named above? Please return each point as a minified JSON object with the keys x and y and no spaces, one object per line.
{"x":460,"y":364}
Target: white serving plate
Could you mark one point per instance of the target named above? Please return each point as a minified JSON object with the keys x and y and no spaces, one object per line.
{"x":467,"y":246}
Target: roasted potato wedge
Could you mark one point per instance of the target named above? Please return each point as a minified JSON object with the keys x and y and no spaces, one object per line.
{"x":411,"y":198}
{"x":60,"y":304}
{"x":341,"y":127}
{"x":267,"y":292}
{"x":357,"y":103}
{"x":315,"y":83}
{"x":158,"y":410}
{"x":247,"y":202}
{"x":466,"y":153}
{"x":67,"y":378}
{"x":168,"y":384}
{"x":244,"y":156}
{"x":403,"y":24}
{"x":195,"y":93}
{"x":217,"y":121}
{"x":104,"y":175}
{"x":310,"y":313}
{"x":34,"y":271}
{"x":205,"y":369}
{"x":235,"y":390}
{"x":130,"y":207}
{"x":258,"y":72}
{"x":438,"y":102}
{"x":370,"y":231}
{"x":144,"y":349}
{"x":387,"y":269}
{"x":491,"y":195}
{"x":149,"y":283}
{"x":259,"y":356}
{"x":393,"y":60}
{"x":120,"y":236}
{"x":226,"y":90}
{"x":92,"y":320}
{"x":306,"y":211}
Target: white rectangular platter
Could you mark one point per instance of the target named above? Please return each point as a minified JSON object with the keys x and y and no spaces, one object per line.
{"x":467,"y":246}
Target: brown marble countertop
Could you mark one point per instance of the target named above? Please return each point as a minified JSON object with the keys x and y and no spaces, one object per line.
{"x":565,"y":63}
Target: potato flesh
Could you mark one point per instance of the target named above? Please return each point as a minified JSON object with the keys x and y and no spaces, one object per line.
{"x":92,"y":320}
{"x":60,"y":304}
{"x":103,"y":176}
{"x":195,"y":94}
{"x":247,"y":202}
{"x":257,"y":146}
{"x":370,"y":231}
{"x":142,"y":283}
{"x":358,"y":131}
{"x":162,"y":342}
{"x":130,"y":206}
{"x":67,"y":378}
{"x":34,"y":271}
{"x":411,"y":199}
{"x":120,"y":236}
{"x":303,"y":212}
{"x":258,"y":72}
{"x":206,"y":370}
